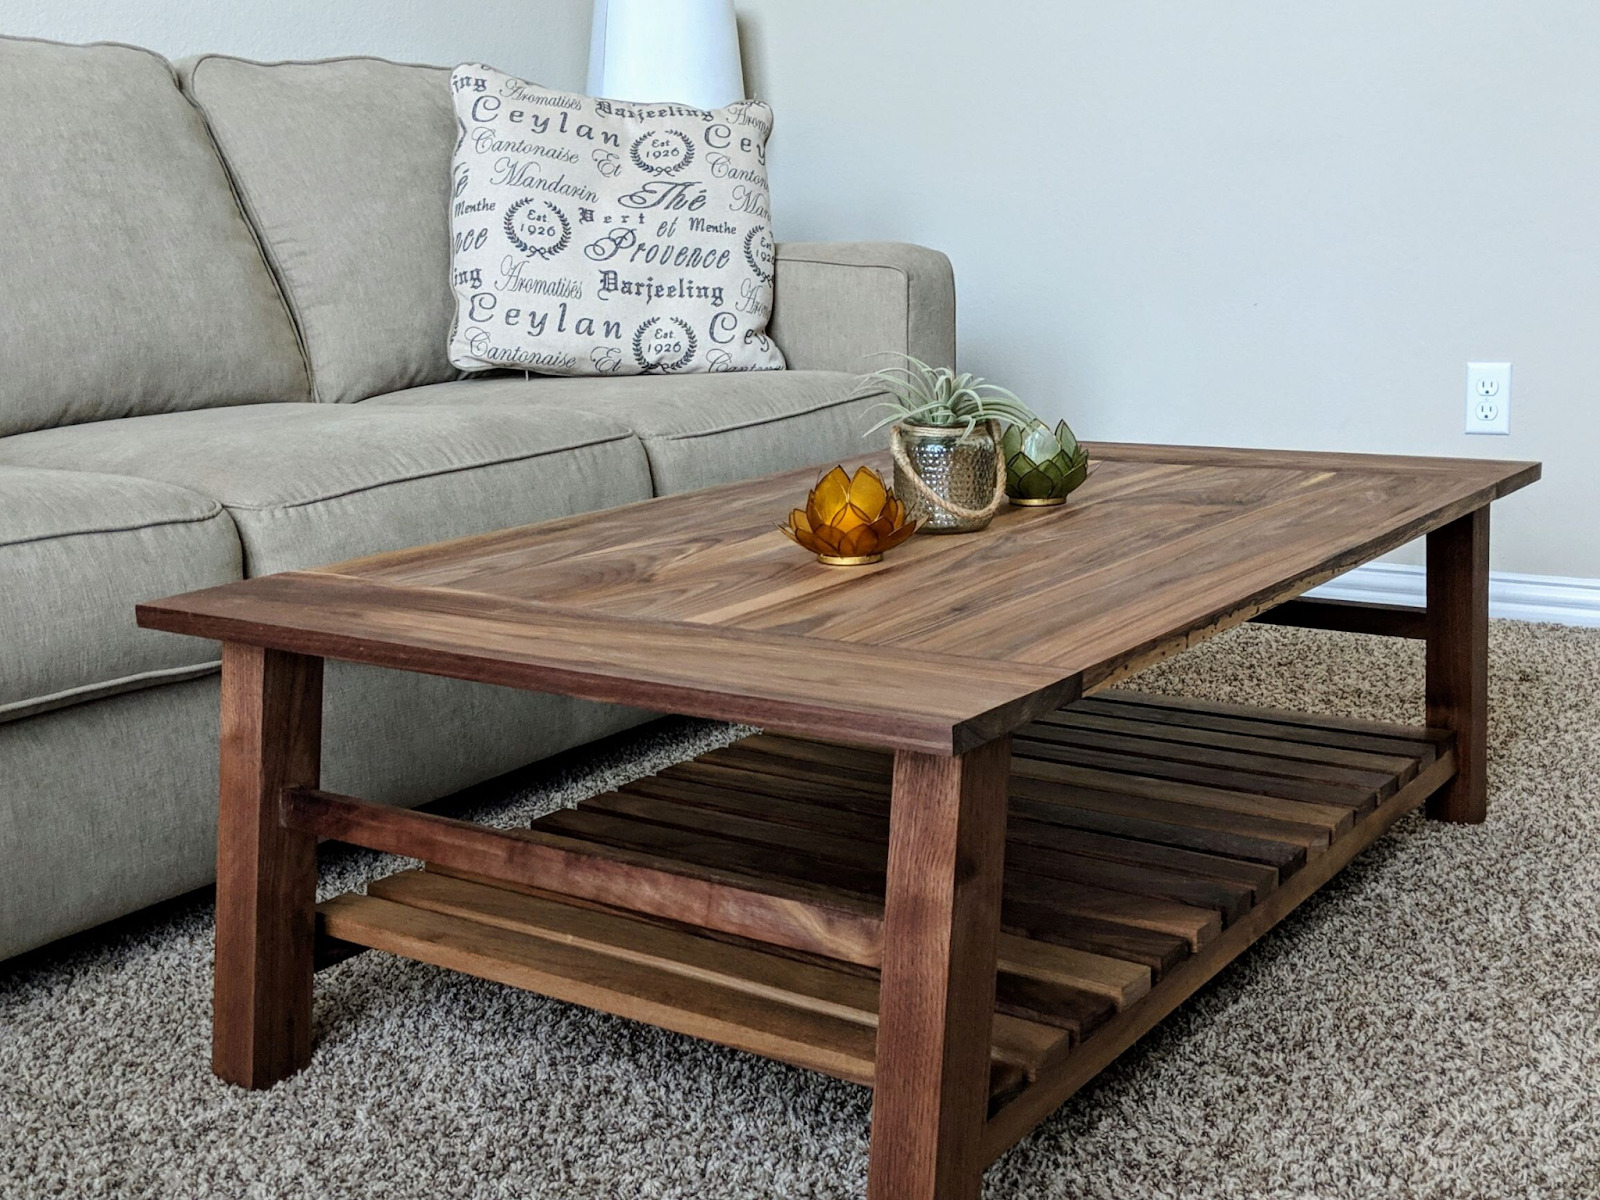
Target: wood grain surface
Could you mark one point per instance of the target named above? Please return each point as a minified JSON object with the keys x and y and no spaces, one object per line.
{"x":1458,"y":660}
{"x":942,"y":871}
{"x":696,"y":604}
{"x":941,"y":919}
{"x":1116,"y":902}
{"x":266,"y":873}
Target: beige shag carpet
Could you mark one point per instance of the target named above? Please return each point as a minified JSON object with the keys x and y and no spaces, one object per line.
{"x":1426,"y":1026}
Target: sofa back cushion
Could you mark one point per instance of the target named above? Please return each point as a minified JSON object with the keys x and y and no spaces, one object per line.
{"x":132,"y":283}
{"x":344,"y":168}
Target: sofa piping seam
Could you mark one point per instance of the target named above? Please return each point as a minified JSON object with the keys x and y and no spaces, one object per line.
{"x":315,"y":62}
{"x":105,"y":689}
{"x":756,"y":423}
{"x":221,"y":512}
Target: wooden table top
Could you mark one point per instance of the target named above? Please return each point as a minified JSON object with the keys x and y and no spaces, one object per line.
{"x":696,"y":604}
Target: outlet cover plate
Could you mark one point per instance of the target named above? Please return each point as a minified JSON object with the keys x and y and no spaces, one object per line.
{"x":1489,"y":397}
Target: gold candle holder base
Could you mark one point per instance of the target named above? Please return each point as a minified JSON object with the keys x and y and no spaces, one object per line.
{"x":1046,"y":502}
{"x":851,"y":560}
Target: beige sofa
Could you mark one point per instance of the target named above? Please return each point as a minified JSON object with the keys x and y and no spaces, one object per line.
{"x":226,"y":308}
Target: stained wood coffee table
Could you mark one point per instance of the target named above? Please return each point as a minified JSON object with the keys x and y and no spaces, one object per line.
{"x":954,"y":867}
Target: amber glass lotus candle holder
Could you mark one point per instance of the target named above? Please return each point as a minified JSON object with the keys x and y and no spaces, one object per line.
{"x":1043,"y":466}
{"x":849,"y":521}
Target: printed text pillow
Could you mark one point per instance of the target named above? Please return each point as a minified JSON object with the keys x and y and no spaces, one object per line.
{"x":601,"y":237}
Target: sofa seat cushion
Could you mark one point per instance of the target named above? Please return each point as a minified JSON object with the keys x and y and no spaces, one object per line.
{"x":313,"y":484}
{"x":132,"y":283}
{"x":77,"y":551}
{"x":699,"y":430}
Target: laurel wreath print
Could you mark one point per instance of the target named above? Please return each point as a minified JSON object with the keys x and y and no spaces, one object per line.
{"x":677,"y":364}
{"x":631,"y":239}
{"x":549,"y":251}
{"x":651,"y":168}
{"x":750,"y":256}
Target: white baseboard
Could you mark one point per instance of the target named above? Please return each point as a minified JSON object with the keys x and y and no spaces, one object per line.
{"x":1554,"y":598}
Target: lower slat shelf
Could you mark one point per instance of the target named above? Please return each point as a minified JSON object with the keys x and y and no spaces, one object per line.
{"x":1044,"y":1095}
{"x":1150,"y":841}
{"x":822,"y":1017}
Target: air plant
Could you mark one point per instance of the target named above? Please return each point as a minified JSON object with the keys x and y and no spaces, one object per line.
{"x":939,"y":397}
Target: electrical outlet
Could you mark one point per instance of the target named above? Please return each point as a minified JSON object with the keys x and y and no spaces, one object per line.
{"x":1489,"y":397}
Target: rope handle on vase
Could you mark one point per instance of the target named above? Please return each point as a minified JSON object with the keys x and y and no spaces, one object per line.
{"x":992,"y":427}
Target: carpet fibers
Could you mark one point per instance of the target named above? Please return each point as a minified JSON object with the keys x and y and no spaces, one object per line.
{"x":1426,"y":1026}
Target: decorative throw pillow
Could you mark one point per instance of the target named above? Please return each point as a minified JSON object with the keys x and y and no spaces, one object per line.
{"x":599,"y":237}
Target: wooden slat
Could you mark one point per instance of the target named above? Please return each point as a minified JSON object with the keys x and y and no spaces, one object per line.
{"x":705,"y":849}
{"x":1129,"y":757}
{"x":1349,"y":616}
{"x":1275,"y":716}
{"x":1157,"y":951}
{"x":1122,"y":982}
{"x":1418,"y":747}
{"x":1393,"y":764}
{"x":788,"y":786}
{"x":1285,"y":856}
{"x":792,"y":914}
{"x":1191,"y":922}
{"x":850,"y":769}
{"x":817,"y":784}
{"x":697,"y":1007}
{"x":1299,"y":821}
{"x":1247,"y":761}
{"x":1258,"y":878}
{"x":864,"y":843}
{"x":869,"y":821}
{"x":863,"y":760}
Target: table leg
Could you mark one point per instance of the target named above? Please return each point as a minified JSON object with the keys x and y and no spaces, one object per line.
{"x":941,"y":920}
{"x":266,"y":874}
{"x":1458,"y":659}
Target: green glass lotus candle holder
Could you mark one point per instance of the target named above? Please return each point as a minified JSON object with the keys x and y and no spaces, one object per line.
{"x":1043,"y":467}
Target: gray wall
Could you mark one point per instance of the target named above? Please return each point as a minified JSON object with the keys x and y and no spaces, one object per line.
{"x":1243,"y":221}
{"x":544,"y":39}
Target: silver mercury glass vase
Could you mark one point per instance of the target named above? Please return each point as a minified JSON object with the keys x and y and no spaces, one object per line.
{"x":955,"y":465}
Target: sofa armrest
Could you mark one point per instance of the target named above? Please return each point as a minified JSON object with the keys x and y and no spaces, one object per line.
{"x":837,"y":303}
